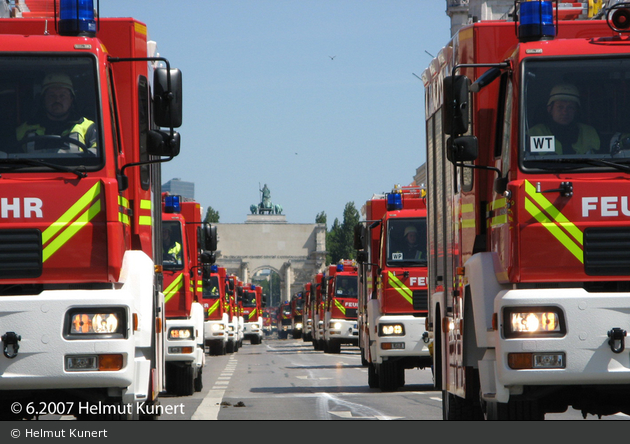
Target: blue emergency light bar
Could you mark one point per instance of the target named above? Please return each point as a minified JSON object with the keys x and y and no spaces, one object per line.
{"x":536,"y":21}
{"x":214,"y":269}
{"x":172,"y":204}
{"x":77,"y":18}
{"x":339,"y":267}
{"x":394,"y":201}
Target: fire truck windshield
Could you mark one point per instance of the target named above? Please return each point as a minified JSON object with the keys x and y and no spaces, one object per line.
{"x":211,"y":287}
{"x":407,"y":242}
{"x":172,"y":245}
{"x":49,"y":113}
{"x":249,"y":299}
{"x":575,"y":114}
{"x":346,"y":286}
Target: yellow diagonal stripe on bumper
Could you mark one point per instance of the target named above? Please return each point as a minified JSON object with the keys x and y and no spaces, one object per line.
{"x":340,"y":306}
{"x":64,"y":229}
{"x":556,"y":223}
{"x":174,"y":287}
{"x":401,"y":288}
{"x":213,"y":307}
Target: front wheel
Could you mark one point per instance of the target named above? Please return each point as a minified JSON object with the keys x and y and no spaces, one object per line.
{"x":388,"y":376}
{"x":513,"y":410}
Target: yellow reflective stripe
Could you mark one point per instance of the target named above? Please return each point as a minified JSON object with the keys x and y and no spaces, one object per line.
{"x":214,"y":307}
{"x":71,"y":213}
{"x":468,"y":216}
{"x":67,"y":230}
{"x":174,"y":287}
{"x":251,"y":315}
{"x":123,"y":205}
{"x":401,"y":288}
{"x":340,"y":306}
{"x":200,"y":286}
{"x":145,"y":220}
{"x":499,"y":204}
{"x":560,"y":218}
{"x":556,"y":224}
{"x":468,"y":223}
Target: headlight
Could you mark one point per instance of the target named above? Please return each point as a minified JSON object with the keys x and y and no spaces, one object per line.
{"x":95,"y":322}
{"x":218,"y":327}
{"x":298,"y":326}
{"x":335,"y":325}
{"x":391,"y":330}
{"x":181,"y":333}
{"x":533,"y":322}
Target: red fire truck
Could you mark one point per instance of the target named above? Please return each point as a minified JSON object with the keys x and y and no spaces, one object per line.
{"x":284,"y":320}
{"x":340,"y":308}
{"x":234,"y":328}
{"x":307,"y":315}
{"x":529,"y":279}
{"x":252,"y":313}
{"x":297,"y":315}
{"x":268,"y":320}
{"x":392,"y":286}
{"x":182,"y":234}
{"x":216,"y":306}
{"x":80,"y":264}
{"x":317,"y":308}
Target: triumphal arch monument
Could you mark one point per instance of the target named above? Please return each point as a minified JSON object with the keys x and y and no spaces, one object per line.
{"x":266,"y":241}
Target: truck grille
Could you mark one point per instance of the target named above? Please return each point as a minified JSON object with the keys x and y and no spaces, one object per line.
{"x":20,"y":254}
{"x":420,"y":300}
{"x":607,"y":251}
{"x":351,"y":313}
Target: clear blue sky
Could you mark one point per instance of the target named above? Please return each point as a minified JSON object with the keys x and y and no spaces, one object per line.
{"x":264,"y":103}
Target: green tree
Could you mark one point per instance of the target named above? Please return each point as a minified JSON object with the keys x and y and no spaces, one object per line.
{"x":333,"y":243}
{"x":212,"y":216}
{"x":340,"y":238}
{"x":346,"y":240}
{"x":320,"y":218}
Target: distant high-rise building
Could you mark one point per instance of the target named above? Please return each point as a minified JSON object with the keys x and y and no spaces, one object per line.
{"x":181,"y":188}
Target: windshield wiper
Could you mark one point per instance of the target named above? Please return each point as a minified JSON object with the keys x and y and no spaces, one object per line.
{"x":24,"y":163}
{"x":618,"y":166}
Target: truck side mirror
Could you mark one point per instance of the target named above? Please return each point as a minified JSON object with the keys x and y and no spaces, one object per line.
{"x":462,"y":149}
{"x":455,"y":110}
{"x":362,"y":256}
{"x":160,"y":143}
{"x":208,"y":257}
{"x":210,"y":237}
{"x":167,"y":102}
{"x":358,"y":237}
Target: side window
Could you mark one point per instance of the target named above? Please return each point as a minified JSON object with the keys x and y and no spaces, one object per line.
{"x":507,"y":126}
{"x":113,"y":113}
{"x":143,"y":122}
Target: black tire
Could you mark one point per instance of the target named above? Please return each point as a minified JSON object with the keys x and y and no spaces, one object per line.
{"x":372,"y":376}
{"x":513,"y":410}
{"x":334,"y":346}
{"x":388,"y":376}
{"x":199,"y":380}
{"x":455,"y":408}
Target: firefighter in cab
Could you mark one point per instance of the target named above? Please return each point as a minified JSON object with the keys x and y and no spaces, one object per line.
{"x":171,"y":248}
{"x":58,"y":117}
{"x":569,"y":135}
